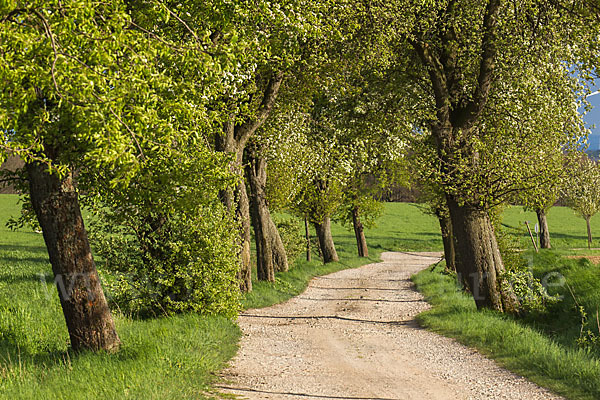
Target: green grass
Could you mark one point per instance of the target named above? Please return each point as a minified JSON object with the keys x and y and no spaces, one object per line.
{"x":402,"y":227}
{"x":567,"y":230}
{"x":178,"y":357}
{"x":577,"y":282}
{"x":164,"y":358}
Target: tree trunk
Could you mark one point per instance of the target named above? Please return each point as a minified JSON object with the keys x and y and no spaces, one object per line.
{"x":447,"y":239}
{"x":243,"y":215}
{"x":478,"y":259}
{"x":234,"y":139}
{"x":589,"y":231}
{"x":237,"y":199}
{"x":544,"y":232}
{"x":326,"y":240}
{"x":307,"y":234}
{"x":270,"y":252}
{"x":359,"y":233}
{"x":56,"y":204}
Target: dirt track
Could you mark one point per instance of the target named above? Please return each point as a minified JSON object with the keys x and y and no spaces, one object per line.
{"x":352,"y":335}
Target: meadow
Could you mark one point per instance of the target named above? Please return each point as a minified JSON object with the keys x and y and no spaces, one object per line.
{"x":179,"y":357}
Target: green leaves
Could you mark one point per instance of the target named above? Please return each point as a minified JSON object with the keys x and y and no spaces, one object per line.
{"x":583,"y":189}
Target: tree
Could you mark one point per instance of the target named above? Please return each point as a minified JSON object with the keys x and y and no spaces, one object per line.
{"x":85,"y":89}
{"x":541,"y":200}
{"x":270,"y":252}
{"x":278,"y":37}
{"x":583,"y":191}
{"x":479,"y":75}
{"x":435,"y":204}
{"x":234,"y":141}
{"x":42,"y":121}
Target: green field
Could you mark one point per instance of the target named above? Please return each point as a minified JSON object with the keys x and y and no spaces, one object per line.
{"x":177,"y":357}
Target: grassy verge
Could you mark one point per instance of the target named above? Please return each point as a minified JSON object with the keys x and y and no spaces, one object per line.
{"x":164,"y":358}
{"x":402,"y":227}
{"x":519,"y":345}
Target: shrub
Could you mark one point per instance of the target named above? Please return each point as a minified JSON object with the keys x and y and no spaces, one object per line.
{"x":168,"y":243}
{"x":518,"y":276}
{"x":293,"y":240}
{"x":187,"y":264}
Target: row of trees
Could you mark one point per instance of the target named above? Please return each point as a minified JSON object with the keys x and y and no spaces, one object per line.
{"x":163,"y":117}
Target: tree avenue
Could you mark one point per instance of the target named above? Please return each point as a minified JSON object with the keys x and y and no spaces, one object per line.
{"x":85,"y":91}
{"x":487,"y":67}
{"x":163,"y":116}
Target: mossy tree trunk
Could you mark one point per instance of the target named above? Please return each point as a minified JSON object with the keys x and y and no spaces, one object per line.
{"x":359,"y":233}
{"x":233,"y":140}
{"x":478,"y":260}
{"x":270,"y":251}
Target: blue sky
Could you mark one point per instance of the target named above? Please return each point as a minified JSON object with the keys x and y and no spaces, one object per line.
{"x":593,"y":117}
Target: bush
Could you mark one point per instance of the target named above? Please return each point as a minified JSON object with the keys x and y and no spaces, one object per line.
{"x":291,"y":236}
{"x":518,"y":276}
{"x":187,"y":264}
{"x":168,"y":243}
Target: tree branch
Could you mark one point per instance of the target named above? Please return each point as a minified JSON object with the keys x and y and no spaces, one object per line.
{"x":464,"y":117}
{"x":244,"y":131}
{"x":437,"y":77}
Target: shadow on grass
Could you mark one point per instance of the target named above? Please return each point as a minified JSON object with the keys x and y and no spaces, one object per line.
{"x":39,"y":277}
{"x":23,"y":247}
{"x":13,"y":355}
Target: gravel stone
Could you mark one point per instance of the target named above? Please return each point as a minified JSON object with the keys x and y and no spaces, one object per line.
{"x":352,"y":335}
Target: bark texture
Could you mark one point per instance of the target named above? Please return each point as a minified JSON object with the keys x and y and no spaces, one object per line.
{"x":234,"y":140}
{"x":447,"y":239}
{"x":478,"y":262}
{"x":589,"y":231}
{"x":326,"y":240}
{"x":544,"y":232}
{"x":237,"y":199}
{"x":359,"y":233}
{"x":307,"y":235}
{"x":270,"y":251}
{"x":56,"y":204}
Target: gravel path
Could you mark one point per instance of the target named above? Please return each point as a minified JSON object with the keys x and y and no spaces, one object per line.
{"x":352,"y":335}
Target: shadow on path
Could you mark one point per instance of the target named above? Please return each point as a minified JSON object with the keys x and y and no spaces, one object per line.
{"x":352,"y":299}
{"x":411,"y":322}
{"x":303,"y":395}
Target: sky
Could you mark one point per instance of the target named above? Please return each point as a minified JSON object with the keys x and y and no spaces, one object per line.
{"x":593,"y":118}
